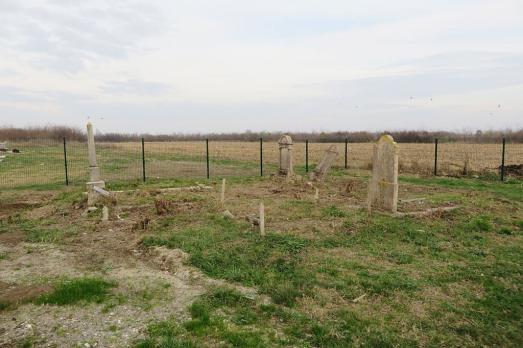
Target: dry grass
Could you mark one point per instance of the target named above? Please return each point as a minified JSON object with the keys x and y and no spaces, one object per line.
{"x":453,"y":158}
{"x":43,"y":162}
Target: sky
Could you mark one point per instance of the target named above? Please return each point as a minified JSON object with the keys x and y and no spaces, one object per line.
{"x":198,"y":66}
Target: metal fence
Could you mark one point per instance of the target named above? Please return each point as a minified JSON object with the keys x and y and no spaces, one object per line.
{"x":47,"y":162}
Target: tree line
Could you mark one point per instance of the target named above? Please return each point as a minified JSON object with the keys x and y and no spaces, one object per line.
{"x":406,"y":136}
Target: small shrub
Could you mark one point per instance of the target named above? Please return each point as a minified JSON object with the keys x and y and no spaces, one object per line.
{"x":505,"y":230}
{"x":480,"y":224}
{"x":3,"y":305}
{"x":333,"y":211}
{"x":201,"y":318}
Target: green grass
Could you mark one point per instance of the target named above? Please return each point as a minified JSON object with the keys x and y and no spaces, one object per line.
{"x":466,"y":260}
{"x":512,"y":189}
{"x":78,"y":291}
{"x":224,"y":249}
{"x":453,"y":279}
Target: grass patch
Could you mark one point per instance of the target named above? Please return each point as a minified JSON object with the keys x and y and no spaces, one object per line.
{"x":39,"y":234}
{"x":79,"y":290}
{"x":333,"y":211}
{"x":511,"y":189}
{"x":224,"y":249}
{"x":480,"y":224}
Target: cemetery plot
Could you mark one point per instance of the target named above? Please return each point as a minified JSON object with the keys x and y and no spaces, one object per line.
{"x":205,"y":264}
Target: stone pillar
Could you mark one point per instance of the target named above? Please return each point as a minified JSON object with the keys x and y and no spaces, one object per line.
{"x":383,"y":186}
{"x":285,"y":145}
{"x":94,"y":170}
{"x":326,"y":162}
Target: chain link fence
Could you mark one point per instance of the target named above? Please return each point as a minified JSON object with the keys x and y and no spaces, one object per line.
{"x":43,"y":162}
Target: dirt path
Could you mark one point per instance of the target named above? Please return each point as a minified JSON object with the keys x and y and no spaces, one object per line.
{"x":153,"y":284}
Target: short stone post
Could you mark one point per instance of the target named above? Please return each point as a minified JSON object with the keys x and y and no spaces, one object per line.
{"x":94,"y":170}
{"x":285,"y":146}
{"x":383,"y":186}
{"x":262,"y":219}
{"x":105,"y":213}
{"x":325,"y":164}
{"x":222,"y":193}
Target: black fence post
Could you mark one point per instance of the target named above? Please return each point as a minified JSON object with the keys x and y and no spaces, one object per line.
{"x":306,"y":155}
{"x":65,"y":165}
{"x":503,"y":161}
{"x":207,"y":157}
{"x":261,"y":156}
{"x":346,"y":152}
{"x":436,"y":157}
{"x":143,"y":159}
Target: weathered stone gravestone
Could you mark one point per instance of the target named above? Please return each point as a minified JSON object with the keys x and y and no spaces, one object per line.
{"x":285,"y":146}
{"x":383,"y":186}
{"x":3,"y":147}
{"x":325,"y":164}
{"x":95,"y":185}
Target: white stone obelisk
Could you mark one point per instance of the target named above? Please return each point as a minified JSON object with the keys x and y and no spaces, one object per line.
{"x":94,"y":170}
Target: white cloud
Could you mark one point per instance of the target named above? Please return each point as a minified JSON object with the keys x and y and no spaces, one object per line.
{"x":216,"y":65}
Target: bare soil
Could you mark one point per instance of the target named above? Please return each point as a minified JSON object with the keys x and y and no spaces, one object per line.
{"x":110,"y":250}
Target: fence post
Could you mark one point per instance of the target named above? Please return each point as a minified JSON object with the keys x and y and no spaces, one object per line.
{"x":143,"y":159}
{"x":65,"y":165}
{"x":306,"y":155}
{"x":503,"y":161}
{"x":436,"y":157}
{"x":261,"y":156}
{"x":346,"y":151}
{"x":207,"y":157}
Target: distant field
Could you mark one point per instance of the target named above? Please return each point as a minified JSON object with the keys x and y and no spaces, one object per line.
{"x":42,"y":162}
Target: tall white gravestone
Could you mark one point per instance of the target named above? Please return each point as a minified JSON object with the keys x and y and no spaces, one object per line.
{"x":94,"y":170}
{"x":383,"y":186}
{"x":325,"y":164}
{"x":285,"y":146}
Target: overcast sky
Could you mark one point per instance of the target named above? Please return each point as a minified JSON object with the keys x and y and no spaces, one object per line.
{"x":231,"y":65}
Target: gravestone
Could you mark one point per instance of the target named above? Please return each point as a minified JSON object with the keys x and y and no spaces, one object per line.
{"x":95,"y":183}
{"x":3,"y":147}
{"x":383,"y":186}
{"x":325,"y":164}
{"x":285,"y":146}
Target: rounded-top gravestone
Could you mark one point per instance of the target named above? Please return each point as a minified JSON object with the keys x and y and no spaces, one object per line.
{"x":285,"y":147}
{"x":383,"y":186}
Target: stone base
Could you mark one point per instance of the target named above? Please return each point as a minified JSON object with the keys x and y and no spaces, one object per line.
{"x":94,"y":174}
{"x":92,"y":195}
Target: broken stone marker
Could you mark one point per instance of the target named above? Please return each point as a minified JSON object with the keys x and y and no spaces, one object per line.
{"x":105,"y":213}
{"x":222,"y":193}
{"x":383,"y":186}
{"x":262,"y":219}
{"x":94,"y":171}
{"x":285,"y":146}
{"x":325,"y":164}
{"x":228,"y":214}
